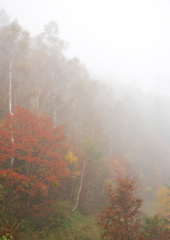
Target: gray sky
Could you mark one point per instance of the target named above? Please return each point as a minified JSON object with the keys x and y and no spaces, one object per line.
{"x":127,"y":39}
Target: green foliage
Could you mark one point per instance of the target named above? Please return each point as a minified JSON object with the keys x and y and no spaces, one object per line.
{"x":65,"y":225}
{"x":155,"y":227}
{"x":6,"y":237}
{"x":77,"y":227}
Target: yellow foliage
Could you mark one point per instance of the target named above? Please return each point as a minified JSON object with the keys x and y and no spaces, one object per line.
{"x":163,"y":201}
{"x":71,"y":158}
{"x":73,"y":161}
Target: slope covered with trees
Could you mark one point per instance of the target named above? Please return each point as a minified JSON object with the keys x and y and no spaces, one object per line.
{"x":65,"y":136}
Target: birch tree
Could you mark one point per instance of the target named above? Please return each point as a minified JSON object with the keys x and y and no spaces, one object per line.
{"x":55,"y":47}
{"x":14,"y":44}
{"x":13,"y":47}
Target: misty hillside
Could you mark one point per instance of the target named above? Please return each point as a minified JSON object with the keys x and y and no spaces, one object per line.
{"x":65,"y":136}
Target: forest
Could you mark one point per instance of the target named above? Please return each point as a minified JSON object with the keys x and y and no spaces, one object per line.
{"x":79,"y":158}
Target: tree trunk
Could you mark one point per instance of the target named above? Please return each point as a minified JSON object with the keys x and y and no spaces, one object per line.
{"x":78,"y":196}
{"x":10,"y":106}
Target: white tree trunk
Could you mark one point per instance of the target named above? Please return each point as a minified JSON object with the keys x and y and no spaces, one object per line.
{"x":81,"y":182}
{"x":10,"y":88}
{"x":54,"y":107}
{"x":54,"y":99}
{"x":10,"y":106}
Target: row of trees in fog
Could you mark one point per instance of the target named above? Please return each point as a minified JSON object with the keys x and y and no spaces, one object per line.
{"x":67,"y":136}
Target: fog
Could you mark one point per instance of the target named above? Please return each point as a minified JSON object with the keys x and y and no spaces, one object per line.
{"x":122,"y":40}
{"x":84,"y":107}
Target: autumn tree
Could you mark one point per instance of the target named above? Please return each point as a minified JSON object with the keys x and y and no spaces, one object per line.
{"x":155,"y":228}
{"x":120,"y":217}
{"x":38,"y":151}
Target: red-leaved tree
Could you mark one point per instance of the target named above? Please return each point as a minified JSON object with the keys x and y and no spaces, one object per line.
{"x":120,"y":217}
{"x":37,"y":151}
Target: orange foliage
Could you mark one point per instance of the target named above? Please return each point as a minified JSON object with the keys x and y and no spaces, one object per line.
{"x":119,"y":219}
{"x":37,"y":151}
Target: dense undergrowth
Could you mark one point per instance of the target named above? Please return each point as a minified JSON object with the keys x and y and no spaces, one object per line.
{"x":66,"y":225}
